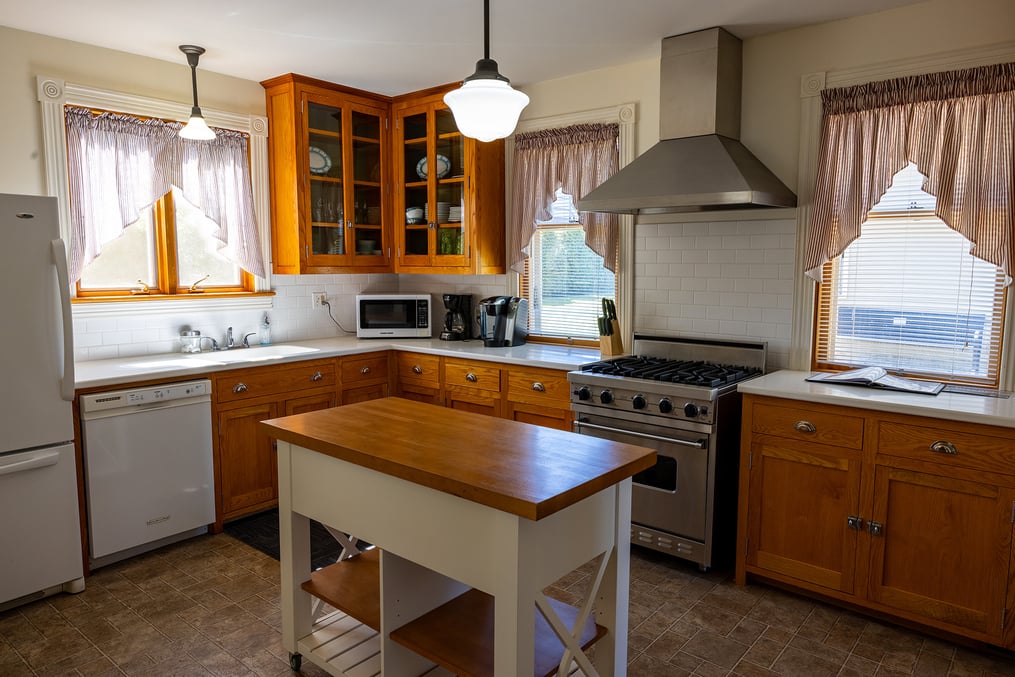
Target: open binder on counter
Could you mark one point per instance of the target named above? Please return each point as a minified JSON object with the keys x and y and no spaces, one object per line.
{"x":877,"y":377}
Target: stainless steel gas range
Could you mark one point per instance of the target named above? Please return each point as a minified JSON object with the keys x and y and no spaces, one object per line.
{"x":677,"y":396}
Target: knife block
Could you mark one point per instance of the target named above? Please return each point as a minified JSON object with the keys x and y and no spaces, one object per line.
{"x":612,"y":345}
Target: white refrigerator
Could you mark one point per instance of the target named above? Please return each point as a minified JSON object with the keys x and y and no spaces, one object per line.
{"x":40,"y":528}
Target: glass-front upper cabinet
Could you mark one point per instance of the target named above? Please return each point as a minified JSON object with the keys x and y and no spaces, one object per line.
{"x":431,"y":221}
{"x":328,"y":154}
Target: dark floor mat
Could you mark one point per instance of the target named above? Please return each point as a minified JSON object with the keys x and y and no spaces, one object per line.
{"x":260,"y":531}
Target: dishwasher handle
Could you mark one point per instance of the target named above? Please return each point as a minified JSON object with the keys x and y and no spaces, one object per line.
{"x":36,"y":459}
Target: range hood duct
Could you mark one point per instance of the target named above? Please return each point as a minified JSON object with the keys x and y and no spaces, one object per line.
{"x":700,"y":163}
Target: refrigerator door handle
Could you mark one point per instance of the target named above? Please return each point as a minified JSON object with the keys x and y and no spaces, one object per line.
{"x":34,"y":460}
{"x":63,"y":282}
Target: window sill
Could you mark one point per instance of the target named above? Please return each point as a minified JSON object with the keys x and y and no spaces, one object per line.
{"x":165,"y":304}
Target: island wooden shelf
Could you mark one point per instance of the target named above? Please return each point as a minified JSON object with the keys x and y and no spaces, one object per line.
{"x":458,"y":636}
{"x":352,"y":586}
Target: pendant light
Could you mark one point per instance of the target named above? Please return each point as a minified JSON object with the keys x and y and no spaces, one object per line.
{"x":485,"y":106}
{"x":196,"y":128}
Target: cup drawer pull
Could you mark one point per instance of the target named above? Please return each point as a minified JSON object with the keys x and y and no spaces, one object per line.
{"x":317,"y":376}
{"x":365,"y":370}
{"x":805,"y":427}
{"x":944,"y":447}
{"x":416,"y":369}
{"x":240,"y":388}
{"x":539,"y":387}
{"x":471,"y":378}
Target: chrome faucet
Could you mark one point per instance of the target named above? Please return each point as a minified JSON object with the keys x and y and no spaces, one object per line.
{"x":245,"y":343}
{"x":214,"y":343}
{"x":229,"y":339}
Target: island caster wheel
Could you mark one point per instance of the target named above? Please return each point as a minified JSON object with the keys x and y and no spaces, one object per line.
{"x":295,"y":661}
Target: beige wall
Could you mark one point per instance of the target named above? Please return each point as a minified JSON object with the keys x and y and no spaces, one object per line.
{"x":26,"y":55}
{"x":774,"y":63}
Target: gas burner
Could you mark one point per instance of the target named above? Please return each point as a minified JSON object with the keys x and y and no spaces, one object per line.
{"x":685,"y":372}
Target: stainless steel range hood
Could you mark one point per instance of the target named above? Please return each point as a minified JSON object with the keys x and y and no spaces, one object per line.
{"x":699,"y":164}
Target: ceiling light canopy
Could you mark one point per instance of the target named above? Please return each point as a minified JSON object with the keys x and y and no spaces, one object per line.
{"x":485,"y":106}
{"x":196,"y":128}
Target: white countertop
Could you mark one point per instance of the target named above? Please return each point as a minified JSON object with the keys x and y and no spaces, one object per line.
{"x":950,"y":406}
{"x":125,"y":370}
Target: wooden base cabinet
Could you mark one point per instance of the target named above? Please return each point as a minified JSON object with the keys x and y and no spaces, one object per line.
{"x":908,"y":516}
{"x":246,"y":474}
{"x":539,"y":396}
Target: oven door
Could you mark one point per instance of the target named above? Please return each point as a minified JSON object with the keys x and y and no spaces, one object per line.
{"x":669,"y":496}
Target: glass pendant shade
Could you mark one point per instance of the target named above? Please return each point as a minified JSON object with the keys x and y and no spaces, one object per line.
{"x":197,"y":129}
{"x":486,"y":109}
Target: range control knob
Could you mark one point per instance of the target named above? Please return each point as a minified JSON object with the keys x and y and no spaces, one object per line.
{"x":638,"y":402}
{"x":606,"y":397}
{"x":665,"y":406}
{"x":691,"y":410}
{"x":583,"y":393}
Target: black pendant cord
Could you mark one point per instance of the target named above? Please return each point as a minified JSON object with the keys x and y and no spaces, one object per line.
{"x":486,"y":29}
{"x":196,"y":110}
{"x":193,"y":53}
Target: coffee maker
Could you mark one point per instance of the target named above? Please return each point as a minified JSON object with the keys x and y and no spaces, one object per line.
{"x":458,"y":318}
{"x":503,"y":321}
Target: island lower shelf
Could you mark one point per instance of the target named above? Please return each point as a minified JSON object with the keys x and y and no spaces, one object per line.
{"x":457,"y":635}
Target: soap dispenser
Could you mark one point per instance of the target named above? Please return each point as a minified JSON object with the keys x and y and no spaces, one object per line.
{"x":265,"y":331}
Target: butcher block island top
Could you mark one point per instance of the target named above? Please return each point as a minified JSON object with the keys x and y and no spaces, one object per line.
{"x":525,"y":470}
{"x":472,"y":517}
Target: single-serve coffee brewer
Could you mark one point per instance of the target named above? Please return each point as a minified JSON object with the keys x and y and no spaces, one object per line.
{"x":503,"y":321}
{"x":458,"y":318}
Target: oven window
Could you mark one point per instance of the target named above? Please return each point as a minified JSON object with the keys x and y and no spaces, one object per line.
{"x":663,"y":475}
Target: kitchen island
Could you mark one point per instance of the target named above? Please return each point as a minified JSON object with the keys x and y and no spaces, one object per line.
{"x":473,"y":517}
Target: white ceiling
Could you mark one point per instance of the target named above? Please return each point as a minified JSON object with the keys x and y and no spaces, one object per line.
{"x":397,"y":46}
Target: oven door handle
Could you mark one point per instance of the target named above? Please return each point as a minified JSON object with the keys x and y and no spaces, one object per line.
{"x":698,"y":444}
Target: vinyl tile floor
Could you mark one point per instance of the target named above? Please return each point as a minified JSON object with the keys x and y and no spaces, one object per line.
{"x":210,"y":606}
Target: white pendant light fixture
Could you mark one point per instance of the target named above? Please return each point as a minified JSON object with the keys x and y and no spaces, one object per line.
{"x":485,"y":106}
{"x":196,"y":128}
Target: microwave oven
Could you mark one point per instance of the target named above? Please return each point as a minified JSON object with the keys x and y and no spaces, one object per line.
{"x":393,"y":316}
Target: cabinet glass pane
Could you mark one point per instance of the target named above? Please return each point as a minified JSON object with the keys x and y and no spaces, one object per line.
{"x":367,"y":221}
{"x":326,"y":213}
{"x":325,"y":140}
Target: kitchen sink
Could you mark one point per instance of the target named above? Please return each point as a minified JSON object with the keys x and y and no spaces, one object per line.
{"x":255,"y":354}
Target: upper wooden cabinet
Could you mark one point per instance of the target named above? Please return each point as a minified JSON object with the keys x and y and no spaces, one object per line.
{"x":328,"y":151}
{"x":449,"y":192}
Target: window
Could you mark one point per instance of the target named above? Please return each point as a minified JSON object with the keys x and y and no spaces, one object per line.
{"x":169,"y":250}
{"x":564,"y":280}
{"x":907,"y":295}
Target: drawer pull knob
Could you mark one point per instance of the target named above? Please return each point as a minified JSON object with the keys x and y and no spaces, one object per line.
{"x":471,"y":378}
{"x":539,"y":387}
{"x":317,"y":376}
{"x":944,"y":447}
{"x":805,"y":427}
{"x":416,"y":369}
{"x":240,"y":388}
{"x":365,"y":370}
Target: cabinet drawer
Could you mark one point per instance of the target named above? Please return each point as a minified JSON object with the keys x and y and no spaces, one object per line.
{"x":367,"y":368}
{"x":952,"y":447}
{"x":471,"y":375}
{"x":260,"y":381}
{"x":824,"y":426}
{"x":419,"y":368}
{"x":538,"y":386}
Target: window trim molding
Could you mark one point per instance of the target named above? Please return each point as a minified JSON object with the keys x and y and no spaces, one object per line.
{"x":624,"y":115}
{"x":55,"y":93}
{"x":811,"y":85}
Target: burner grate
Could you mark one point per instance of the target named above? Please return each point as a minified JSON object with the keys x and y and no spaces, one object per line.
{"x":685,"y":372}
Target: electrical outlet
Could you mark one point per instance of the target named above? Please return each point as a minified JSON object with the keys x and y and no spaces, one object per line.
{"x":319,"y":298}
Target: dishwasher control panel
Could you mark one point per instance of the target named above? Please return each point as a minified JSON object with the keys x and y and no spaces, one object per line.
{"x":134,"y":397}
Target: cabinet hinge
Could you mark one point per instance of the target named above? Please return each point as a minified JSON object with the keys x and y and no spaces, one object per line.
{"x":1012,"y":519}
{"x":306,"y":248}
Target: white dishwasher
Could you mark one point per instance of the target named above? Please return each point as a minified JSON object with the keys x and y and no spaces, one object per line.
{"x":148,"y":467}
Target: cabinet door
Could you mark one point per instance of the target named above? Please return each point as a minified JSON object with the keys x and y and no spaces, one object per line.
{"x":364,"y":393}
{"x":300,"y":405}
{"x":247,"y":465}
{"x":432,"y":215}
{"x":546,"y":416}
{"x":476,"y":401}
{"x":419,"y":393}
{"x":800,"y":499}
{"x":941,"y":547}
{"x":324,"y":167}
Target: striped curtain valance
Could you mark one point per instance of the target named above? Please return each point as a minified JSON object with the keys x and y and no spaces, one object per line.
{"x":575,"y":159}
{"x":958,"y":127}
{"x":119,"y":165}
